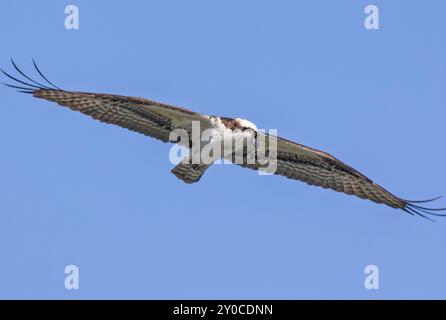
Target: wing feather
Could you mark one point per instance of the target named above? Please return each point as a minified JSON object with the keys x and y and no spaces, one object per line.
{"x":126,"y":113}
{"x":318,"y":168}
{"x":145,"y":116}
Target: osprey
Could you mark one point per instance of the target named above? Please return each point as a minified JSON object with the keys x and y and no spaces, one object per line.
{"x":158,"y":120}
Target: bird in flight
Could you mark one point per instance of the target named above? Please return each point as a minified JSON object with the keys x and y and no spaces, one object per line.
{"x":158,"y":120}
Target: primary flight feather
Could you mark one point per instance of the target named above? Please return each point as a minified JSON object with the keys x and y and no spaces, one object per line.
{"x":157,"y":120}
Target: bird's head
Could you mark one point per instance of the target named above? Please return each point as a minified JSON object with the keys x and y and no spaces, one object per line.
{"x":245,"y":124}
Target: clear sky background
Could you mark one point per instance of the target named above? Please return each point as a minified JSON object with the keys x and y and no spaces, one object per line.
{"x":76,"y":191}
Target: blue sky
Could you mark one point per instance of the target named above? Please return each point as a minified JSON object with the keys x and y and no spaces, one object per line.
{"x":76,"y":191}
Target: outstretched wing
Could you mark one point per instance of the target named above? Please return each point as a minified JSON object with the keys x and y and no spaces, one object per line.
{"x":157,"y":120}
{"x":148,"y":117}
{"x":318,"y":168}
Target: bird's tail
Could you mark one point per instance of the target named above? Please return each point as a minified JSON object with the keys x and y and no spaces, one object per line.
{"x":189,"y":172}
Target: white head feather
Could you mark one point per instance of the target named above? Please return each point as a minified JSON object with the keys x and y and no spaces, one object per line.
{"x":246,"y":124}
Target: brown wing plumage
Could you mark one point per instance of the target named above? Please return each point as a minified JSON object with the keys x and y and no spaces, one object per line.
{"x":145,"y":116}
{"x":318,"y":168}
{"x":321,"y":169}
{"x":124,"y":112}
